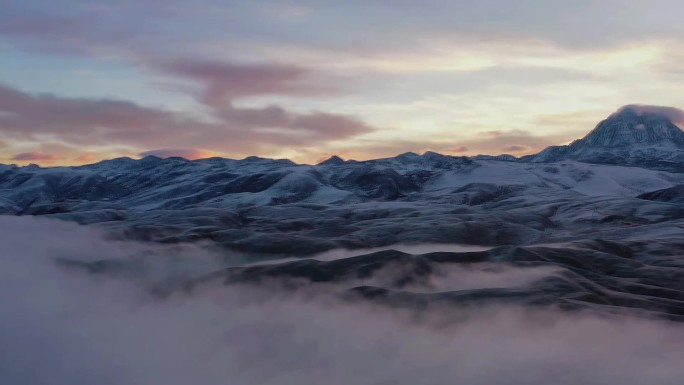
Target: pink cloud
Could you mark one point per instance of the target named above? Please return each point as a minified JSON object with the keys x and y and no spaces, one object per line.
{"x":223,"y":82}
{"x":26,"y":115}
{"x":237,"y":131}
{"x":36,"y":156}
{"x":86,"y":158}
{"x":328,"y":125}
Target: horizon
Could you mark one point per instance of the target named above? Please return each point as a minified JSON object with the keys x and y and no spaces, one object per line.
{"x":85,"y":82}
{"x":673,"y":115}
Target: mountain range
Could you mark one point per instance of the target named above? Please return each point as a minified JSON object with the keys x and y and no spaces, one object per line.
{"x":606,"y":210}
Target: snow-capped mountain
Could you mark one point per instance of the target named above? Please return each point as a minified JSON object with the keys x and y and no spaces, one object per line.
{"x":629,"y":128}
{"x":628,"y":137}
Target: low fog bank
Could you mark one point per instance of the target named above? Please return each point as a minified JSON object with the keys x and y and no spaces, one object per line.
{"x":61,"y":327}
{"x":406,"y":248}
{"x":341,"y":253}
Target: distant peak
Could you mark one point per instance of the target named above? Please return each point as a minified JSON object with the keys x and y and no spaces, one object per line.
{"x":408,"y":155}
{"x":431,"y":153}
{"x":119,"y":160}
{"x":333,"y":160}
{"x":258,"y":159}
{"x":636,"y":125}
{"x":151,"y":158}
{"x":253,"y":158}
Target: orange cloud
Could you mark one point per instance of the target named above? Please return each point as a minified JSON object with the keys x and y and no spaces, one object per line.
{"x":86,"y":158}
{"x":458,"y":150}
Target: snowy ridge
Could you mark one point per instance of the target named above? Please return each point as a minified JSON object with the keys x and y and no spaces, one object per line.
{"x":275,"y":206}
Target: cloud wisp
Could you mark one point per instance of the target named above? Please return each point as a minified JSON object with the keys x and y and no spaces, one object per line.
{"x":674,"y":114}
{"x":36,"y":156}
{"x":100,"y":122}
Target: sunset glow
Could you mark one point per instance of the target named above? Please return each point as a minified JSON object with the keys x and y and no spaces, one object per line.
{"x":81,"y":82}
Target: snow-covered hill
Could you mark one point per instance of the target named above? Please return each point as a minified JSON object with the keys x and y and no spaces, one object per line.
{"x":279,"y":207}
{"x":276,"y":206}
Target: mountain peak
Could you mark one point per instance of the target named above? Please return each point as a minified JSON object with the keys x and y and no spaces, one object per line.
{"x":333,"y":161}
{"x":635,"y":125}
{"x":634,"y":135}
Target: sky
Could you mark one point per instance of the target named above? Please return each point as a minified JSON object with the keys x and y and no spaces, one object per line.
{"x":82,"y":81}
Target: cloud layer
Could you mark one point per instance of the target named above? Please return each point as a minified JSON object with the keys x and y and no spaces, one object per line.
{"x":85,"y":122}
{"x":64,"y":327}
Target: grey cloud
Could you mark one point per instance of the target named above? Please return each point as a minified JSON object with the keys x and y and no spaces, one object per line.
{"x":25,"y":115}
{"x":585,"y":24}
{"x":674,"y":114}
{"x":117,"y":28}
{"x":224,"y":82}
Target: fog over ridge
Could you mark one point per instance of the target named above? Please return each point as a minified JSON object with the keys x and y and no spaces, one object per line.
{"x":60,"y":327}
